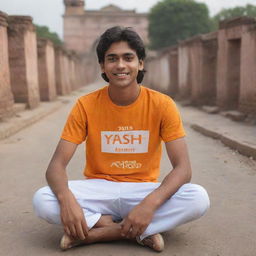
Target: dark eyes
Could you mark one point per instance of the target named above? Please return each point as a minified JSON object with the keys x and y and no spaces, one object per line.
{"x":126,"y":58}
{"x":111,"y":59}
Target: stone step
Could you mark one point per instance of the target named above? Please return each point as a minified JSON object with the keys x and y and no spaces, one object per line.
{"x":234,"y":115}
{"x":210,"y":109}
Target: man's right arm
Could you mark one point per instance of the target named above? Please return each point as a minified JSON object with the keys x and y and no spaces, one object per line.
{"x":71,"y":214}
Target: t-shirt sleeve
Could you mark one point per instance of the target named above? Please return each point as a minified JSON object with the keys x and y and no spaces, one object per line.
{"x":75,"y":129}
{"x":171,"y":123}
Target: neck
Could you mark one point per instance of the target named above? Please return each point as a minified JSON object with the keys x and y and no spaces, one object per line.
{"x":124,"y":96}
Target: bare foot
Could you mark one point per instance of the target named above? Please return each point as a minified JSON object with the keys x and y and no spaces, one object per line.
{"x":155,"y":242}
{"x":106,"y":230}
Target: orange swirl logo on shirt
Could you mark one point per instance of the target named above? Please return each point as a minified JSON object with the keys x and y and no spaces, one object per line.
{"x":126,"y":164}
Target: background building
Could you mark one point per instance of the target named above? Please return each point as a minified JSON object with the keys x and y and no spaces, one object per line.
{"x":83,"y":27}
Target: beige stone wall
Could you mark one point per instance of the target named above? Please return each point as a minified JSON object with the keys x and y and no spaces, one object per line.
{"x":46,"y":70}
{"x":207,"y":94}
{"x":31,"y":60}
{"x":27,"y":62}
{"x":183,"y":71}
{"x":247,"y":99}
{"x":67,"y":78}
{"x":151,"y":78}
{"x":229,"y":68}
{"x":203,"y":54}
{"x":212,"y":69}
{"x":164,"y":74}
{"x":71,"y":70}
{"x":81,"y":31}
{"x":173,"y":70}
{"x":59,"y":71}
{"x":23,"y":60}
{"x":6,"y":96}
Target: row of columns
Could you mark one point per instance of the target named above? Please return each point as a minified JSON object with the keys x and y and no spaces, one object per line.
{"x":212,"y":69}
{"x":33,"y":69}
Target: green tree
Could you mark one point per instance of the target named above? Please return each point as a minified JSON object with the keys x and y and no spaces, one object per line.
{"x":248,"y":10}
{"x":44,"y":32}
{"x":174,"y":20}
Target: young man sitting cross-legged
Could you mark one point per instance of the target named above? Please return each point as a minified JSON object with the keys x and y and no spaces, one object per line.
{"x":123,"y":124}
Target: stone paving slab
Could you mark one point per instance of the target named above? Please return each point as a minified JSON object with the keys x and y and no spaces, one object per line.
{"x":25,"y":118}
{"x":236,"y":135}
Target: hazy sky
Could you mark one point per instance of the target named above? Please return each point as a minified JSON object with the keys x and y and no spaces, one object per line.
{"x":49,"y":12}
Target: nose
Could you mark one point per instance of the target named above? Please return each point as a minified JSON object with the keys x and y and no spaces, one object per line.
{"x":120,"y":64}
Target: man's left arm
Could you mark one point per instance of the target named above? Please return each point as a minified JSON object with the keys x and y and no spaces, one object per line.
{"x":141,"y":215}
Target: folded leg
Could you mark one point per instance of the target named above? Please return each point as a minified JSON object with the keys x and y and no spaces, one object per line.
{"x":189,"y":203}
{"x":96,"y":198}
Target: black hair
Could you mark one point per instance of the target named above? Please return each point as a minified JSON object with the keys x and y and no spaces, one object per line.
{"x":118,"y":34}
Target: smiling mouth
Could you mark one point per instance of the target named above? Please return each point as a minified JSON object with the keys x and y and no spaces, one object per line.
{"x":121,"y":74}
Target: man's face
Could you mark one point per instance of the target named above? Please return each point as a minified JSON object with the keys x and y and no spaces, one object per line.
{"x":121,"y":65}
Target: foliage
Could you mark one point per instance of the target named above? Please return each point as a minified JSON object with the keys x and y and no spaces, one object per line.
{"x":248,"y":10}
{"x":44,"y":32}
{"x":174,"y":20}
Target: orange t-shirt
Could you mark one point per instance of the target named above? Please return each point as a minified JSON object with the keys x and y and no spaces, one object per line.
{"x":123,"y":143}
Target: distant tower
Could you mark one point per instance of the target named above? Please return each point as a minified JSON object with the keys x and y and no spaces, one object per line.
{"x":74,"y":7}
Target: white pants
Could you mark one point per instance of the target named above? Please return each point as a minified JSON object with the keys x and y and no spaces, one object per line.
{"x":101,"y":197}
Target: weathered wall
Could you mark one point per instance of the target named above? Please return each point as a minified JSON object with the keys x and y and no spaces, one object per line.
{"x":229,"y":61}
{"x":203,"y":55}
{"x":81,"y":30}
{"x":23,"y":60}
{"x":207,"y":94}
{"x":173,"y":70}
{"x":61,"y":86}
{"x":184,"y":71}
{"x":213,"y":69}
{"x":6,"y":97}
{"x":46,"y":70}
{"x":247,"y":100}
{"x":32,"y":69}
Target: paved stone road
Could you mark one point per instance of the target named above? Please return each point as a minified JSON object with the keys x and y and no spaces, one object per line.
{"x":229,"y":228}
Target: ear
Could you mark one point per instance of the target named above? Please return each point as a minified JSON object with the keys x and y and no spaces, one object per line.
{"x":141,"y":65}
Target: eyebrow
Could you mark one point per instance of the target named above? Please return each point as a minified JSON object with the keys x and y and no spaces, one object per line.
{"x":125,"y":54}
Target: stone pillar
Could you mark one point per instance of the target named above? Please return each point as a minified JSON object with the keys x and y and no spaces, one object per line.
{"x":154,"y":73}
{"x":61,"y":85}
{"x":66,"y":68}
{"x":229,"y":61}
{"x":82,"y":72}
{"x":23,"y":60}
{"x":173,"y":64}
{"x":46,"y":70}
{"x":6,"y":96}
{"x":207,"y":94}
{"x":75,"y":71}
{"x":81,"y":69}
{"x":163,"y":72}
{"x":78,"y":67}
{"x":184,"y":71}
{"x":203,"y":55}
{"x":247,"y":101}
{"x":195,"y":68}
{"x":72,"y":71}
